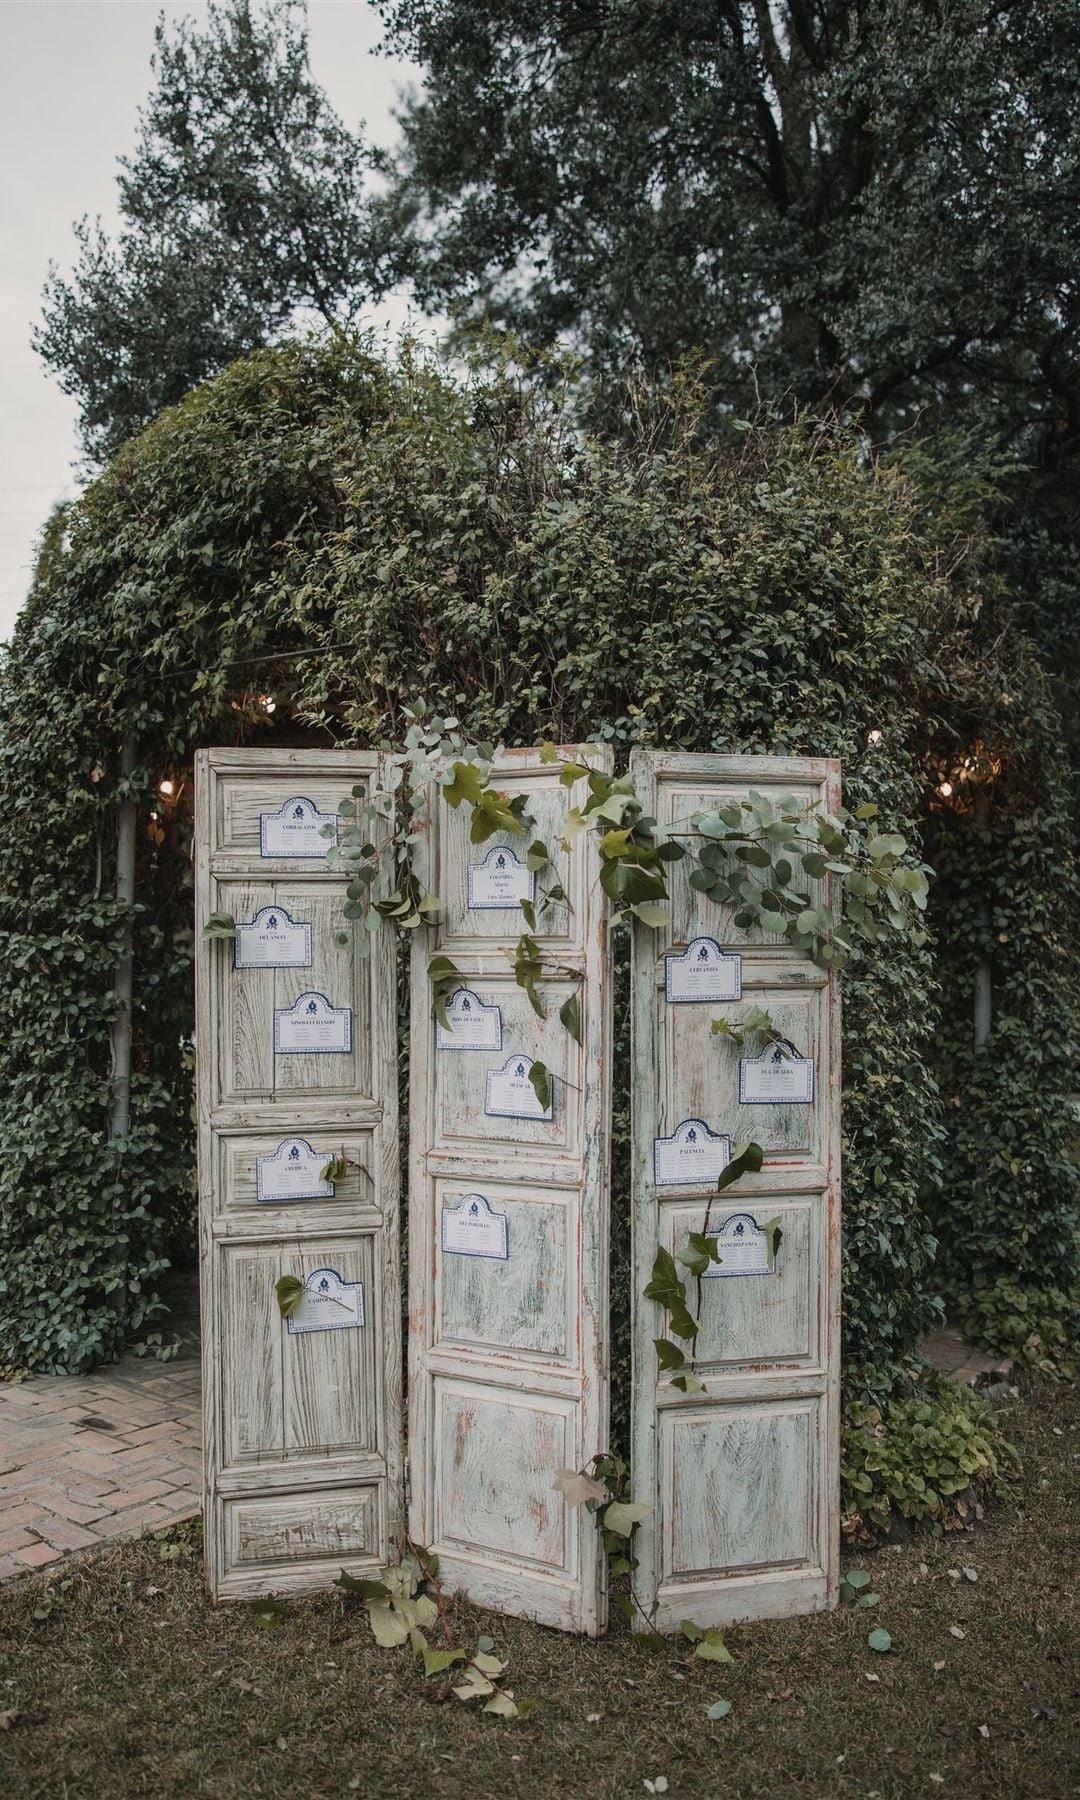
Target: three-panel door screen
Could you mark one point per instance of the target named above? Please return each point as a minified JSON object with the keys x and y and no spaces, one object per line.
{"x":508,"y":1211}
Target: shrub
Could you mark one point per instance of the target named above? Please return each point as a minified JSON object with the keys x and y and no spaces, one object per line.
{"x":930,"y":1457}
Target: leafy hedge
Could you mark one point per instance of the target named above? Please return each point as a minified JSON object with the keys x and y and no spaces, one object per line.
{"x":343,"y":535}
{"x":1009,"y":1207}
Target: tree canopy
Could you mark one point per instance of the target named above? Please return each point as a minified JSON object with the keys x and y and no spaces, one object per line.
{"x":877,"y":202}
{"x":242,"y":204}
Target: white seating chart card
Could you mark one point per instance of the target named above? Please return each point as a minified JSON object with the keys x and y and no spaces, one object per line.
{"x":511,"y":1095}
{"x":272,"y":940}
{"x":743,"y":1245}
{"x":474,"y":1228}
{"x":702,"y":972}
{"x":292,"y":1172}
{"x":473,"y":1024}
{"x":776,"y":1078}
{"x":499,"y":882}
{"x":296,"y":829}
{"x":691,"y":1155}
{"x":311,"y":1026}
{"x":328,"y":1304}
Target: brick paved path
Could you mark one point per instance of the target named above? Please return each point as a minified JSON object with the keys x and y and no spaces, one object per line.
{"x":87,"y":1458}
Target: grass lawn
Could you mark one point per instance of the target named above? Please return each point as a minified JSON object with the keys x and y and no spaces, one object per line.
{"x":134,"y":1685}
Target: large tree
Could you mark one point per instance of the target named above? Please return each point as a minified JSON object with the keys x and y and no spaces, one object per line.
{"x":242,"y":205}
{"x":873,"y":199}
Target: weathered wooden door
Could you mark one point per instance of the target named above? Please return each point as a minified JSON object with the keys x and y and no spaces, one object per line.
{"x":508,"y":1223}
{"x":743,"y":1478}
{"x":297,"y":1067}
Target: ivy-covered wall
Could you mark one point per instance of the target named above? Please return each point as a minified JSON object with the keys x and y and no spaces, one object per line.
{"x":315,"y":538}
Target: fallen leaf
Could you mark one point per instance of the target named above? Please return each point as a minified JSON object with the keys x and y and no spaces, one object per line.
{"x":577,"y":1488}
{"x":870,"y":1677}
{"x":719,"y":1709}
{"x":8,"y":1718}
{"x":934,"y":1777}
{"x":592,"y":1718}
{"x":957,"y":1631}
{"x":972,"y":1574}
{"x":953,"y":1574}
{"x":984,"y":1731}
{"x":938,"y":1666}
{"x":658,"y":1785}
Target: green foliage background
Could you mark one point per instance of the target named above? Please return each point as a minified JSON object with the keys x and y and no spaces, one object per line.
{"x":345,"y":535}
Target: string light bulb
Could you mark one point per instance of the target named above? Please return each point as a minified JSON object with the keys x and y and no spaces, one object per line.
{"x":268,"y":703}
{"x":167,"y":787}
{"x":945,"y":789}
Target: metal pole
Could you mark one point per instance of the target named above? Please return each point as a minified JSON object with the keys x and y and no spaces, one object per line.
{"x":122,"y":981}
{"x":984,"y":974}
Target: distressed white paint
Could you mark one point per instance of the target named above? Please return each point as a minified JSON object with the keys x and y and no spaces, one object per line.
{"x":508,"y":1377}
{"x":744,"y":1478}
{"x":302,"y":1429}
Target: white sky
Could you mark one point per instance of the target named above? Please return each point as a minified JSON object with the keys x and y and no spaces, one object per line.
{"x":72,"y":76}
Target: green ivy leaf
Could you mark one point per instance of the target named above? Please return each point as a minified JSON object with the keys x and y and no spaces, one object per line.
{"x":290,"y":1291}
{"x":219,"y":925}
{"x":746,"y":1160}
{"x":540,"y":1078}
{"x":712,"y":1647}
{"x":621,"y":1516}
{"x":467,"y":785}
{"x":570,"y":1017}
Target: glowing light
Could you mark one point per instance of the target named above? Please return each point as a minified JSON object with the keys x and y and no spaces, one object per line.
{"x":268,"y":703}
{"x":945,"y":789}
{"x":167,"y":787}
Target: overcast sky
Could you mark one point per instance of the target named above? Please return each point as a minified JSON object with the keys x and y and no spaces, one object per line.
{"x":72,"y":76}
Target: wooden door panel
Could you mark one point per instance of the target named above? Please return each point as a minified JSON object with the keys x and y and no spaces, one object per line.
{"x":508,"y":1348}
{"x":524,"y":1306}
{"x":293,"y":1542}
{"x":462,"y":1078}
{"x":699,"y":1071}
{"x":302,"y":1419}
{"x":473,"y":927}
{"x":773,"y":1318}
{"x":497,"y":1504}
{"x":738,"y":1485}
{"x":742,"y":1478}
{"x":695,"y":914}
{"x":355,"y":1195}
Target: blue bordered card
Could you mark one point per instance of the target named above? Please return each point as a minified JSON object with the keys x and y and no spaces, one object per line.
{"x":473,"y":1228}
{"x":743,"y":1245}
{"x":510,"y":1094}
{"x":499,"y":883}
{"x":702,"y":972}
{"x":272,"y":940}
{"x":295,"y":830}
{"x":327,"y":1304}
{"x":312,"y":1027}
{"x":776,"y":1078}
{"x":292,"y":1172}
{"x":473,"y":1024}
{"x":691,"y":1155}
